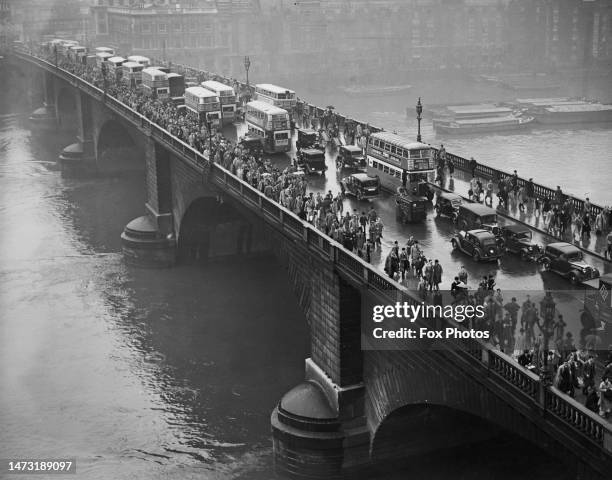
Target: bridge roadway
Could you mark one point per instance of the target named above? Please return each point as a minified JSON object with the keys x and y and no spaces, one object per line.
{"x":514,"y":276}
{"x":584,"y":433}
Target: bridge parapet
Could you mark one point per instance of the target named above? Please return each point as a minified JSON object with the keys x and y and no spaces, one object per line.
{"x":478,"y":356}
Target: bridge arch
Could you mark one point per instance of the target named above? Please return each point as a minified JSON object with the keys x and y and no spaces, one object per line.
{"x":116,"y":149}
{"x":212,"y":228}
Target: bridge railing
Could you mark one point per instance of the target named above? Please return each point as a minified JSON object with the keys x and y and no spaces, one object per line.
{"x":561,"y":406}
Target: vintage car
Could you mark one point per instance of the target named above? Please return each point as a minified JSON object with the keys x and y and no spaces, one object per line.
{"x":447,"y":205}
{"x":361,"y":185}
{"x":410,"y":207}
{"x":350,"y":156}
{"x":307,"y":138}
{"x":567,"y":260}
{"x":312,"y":160}
{"x":480,"y":244}
{"x":476,"y":215}
{"x":252,"y":144}
{"x":518,"y":239}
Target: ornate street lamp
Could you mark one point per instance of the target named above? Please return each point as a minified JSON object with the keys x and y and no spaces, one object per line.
{"x":247,"y":66}
{"x":547,"y":312}
{"x":419,"y":111}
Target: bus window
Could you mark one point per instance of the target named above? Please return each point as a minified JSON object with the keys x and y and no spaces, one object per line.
{"x":385,"y":169}
{"x":393,"y":149}
{"x":387,"y":147}
{"x":380,"y":166}
{"x":398,"y":174}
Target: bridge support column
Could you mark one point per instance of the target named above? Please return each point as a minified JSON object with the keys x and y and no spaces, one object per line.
{"x":150,"y":241}
{"x":319,"y":428}
{"x":45,"y":115}
{"x":81,"y":155}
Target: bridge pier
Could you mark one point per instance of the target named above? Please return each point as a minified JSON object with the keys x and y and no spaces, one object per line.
{"x":47,"y":114}
{"x":319,"y":428}
{"x":149,"y":241}
{"x":81,"y":155}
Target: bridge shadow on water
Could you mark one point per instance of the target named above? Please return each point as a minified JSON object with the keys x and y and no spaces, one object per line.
{"x":438,"y":443}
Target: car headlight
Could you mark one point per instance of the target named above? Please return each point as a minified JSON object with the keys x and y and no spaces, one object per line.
{"x":530,"y":249}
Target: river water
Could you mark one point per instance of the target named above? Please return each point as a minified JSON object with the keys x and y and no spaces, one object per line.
{"x":170,"y":374}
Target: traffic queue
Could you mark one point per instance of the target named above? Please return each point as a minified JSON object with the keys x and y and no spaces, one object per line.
{"x":387,"y":161}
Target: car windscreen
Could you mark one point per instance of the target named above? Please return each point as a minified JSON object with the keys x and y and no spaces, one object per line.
{"x":526,"y":235}
{"x":488,"y":219}
{"x":574,"y":256}
{"x":370,"y":183}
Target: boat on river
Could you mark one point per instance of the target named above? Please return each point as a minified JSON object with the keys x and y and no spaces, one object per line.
{"x":482,"y":118}
{"x":370,"y":91}
{"x":585,"y":112}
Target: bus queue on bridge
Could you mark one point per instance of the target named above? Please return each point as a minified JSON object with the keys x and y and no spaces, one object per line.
{"x":398,"y":163}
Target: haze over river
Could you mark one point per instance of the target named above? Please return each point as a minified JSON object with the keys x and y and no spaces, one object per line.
{"x":173,"y":374}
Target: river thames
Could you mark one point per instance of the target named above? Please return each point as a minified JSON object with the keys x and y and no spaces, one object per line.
{"x":173,"y":374}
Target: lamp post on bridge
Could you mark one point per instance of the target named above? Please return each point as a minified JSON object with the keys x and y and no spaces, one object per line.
{"x":209,"y":130}
{"x":547,"y":312}
{"x":247,"y":66}
{"x":419,"y":111}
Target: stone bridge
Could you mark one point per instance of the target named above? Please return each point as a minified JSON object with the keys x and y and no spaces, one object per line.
{"x":356,"y":406}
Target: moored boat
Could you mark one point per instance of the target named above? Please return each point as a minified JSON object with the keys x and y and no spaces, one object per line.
{"x":374,"y":90}
{"x":481,"y":118}
{"x":574,"y":113}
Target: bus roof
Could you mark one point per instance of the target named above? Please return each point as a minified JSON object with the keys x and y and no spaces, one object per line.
{"x":104,"y":55}
{"x":116,"y":59}
{"x":131,"y":64}
{"x":217,"y":86}
{"x":173,"y":75}
{"x":200,"y":92}
{"x":138,"y":58}
{"x":266,"y":107}
{"x":399,"y":141}
{"x":273,"y":88}
{"x":153,"y":71}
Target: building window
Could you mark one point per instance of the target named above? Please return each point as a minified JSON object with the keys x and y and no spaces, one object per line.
{"x":177,"y":26}
{"x":146,"y":27}
{"x":162,"y":28}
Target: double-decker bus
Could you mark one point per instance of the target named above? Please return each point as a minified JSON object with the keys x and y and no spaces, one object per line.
{"x":131,"y":73}
{"x":271,"y":124}
{"x":144,"y":61}
{"x":398,"y":161}
{"x":275,"y":95}
{"x":105,"y":50}
{"x":114,"y":66}
{"x":204,"y":103}
{"x":227,"y":97}
{"x":155,"y":83}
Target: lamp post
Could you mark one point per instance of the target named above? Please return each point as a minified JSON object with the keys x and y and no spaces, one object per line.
{"x":104,"y":76}
{"x":419,"y":111}
{"x":55,"y":53}
{"x":247,"y":66}
{"x":547,"y":312}
{"x":209,"y":129}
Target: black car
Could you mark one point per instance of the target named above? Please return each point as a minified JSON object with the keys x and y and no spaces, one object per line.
{"x":518,"y":240}
{"x":361,"y":185}
{"x":476,"y":215}
{"x":252,"y":144}
{"x":350,"y":156}
{"x":480,"y":244}
{"x":312,"y":160}
{"x":447,"y":205}
{"x":567,"y":260}
{"x":307,"y":138}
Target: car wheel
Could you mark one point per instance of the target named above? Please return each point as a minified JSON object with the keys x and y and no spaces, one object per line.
{"x":574,"y":279}
{"x":523,"y":255}
{"x":546,"y":264}
{"x":455,"y":244}
{"x":476,"y":256}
